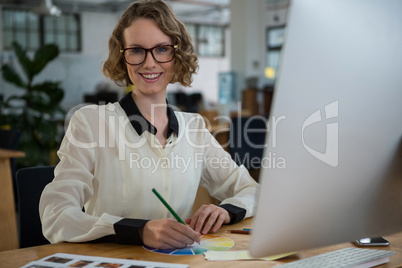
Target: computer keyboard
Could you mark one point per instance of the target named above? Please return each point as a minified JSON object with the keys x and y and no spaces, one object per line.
{"x":346,"y":257}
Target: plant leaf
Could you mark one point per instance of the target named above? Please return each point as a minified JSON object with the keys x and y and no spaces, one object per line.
{"x":43,"y":56}
{"x":10,"y":75}
{"x":37,"y":120}
{"x":23,"y":59}
{"x":47,"y":96}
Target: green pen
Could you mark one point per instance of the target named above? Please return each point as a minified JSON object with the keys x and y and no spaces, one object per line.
{"x":167,"y":206}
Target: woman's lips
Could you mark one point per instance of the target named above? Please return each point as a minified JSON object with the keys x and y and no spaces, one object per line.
{"x":151,"y":77}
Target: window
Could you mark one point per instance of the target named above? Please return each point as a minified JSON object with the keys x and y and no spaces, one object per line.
{"x":209,"y":40}
{"x":191,"y":28}
{"x":22,"y":27}
{"x":63,"y":31}
{"x":275,"y":38}
{"x":33,"y":31}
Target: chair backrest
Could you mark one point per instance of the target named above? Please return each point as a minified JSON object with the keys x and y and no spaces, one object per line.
{"x":247,"y":140}
{"x":30,"y":184}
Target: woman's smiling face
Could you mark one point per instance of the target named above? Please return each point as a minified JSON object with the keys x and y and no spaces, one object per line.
{"x":149,"y":77}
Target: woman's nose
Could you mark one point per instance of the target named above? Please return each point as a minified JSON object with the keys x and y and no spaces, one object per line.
{"x":149,"y":60}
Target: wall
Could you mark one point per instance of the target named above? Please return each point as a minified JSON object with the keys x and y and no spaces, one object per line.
{"x":206,"y":79}
{"x":249,"y":22}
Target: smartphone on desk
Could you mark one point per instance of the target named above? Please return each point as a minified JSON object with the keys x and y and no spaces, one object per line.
{"x":375,"y":242}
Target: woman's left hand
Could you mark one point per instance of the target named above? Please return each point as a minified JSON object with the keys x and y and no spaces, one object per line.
{"x":208,"y":217}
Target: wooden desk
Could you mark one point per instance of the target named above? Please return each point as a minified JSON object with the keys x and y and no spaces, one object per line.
{"x":17,"y":258}
{"x":8,"y":222}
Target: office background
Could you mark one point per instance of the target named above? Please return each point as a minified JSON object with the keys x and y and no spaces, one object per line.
{"x":243,"y":41}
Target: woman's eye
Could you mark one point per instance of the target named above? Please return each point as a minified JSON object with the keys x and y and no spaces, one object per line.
{"x":136,"y":51}
{"x":161,"y":49}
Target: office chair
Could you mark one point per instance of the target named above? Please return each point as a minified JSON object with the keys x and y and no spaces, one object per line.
{"x":30,"y":184}
{"x":247,"y":139}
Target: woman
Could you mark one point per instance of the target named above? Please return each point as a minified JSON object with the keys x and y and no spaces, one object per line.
{"x":113,"y":155}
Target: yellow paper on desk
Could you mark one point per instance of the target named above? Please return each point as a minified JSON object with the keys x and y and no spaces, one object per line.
{"x":239,"y":255}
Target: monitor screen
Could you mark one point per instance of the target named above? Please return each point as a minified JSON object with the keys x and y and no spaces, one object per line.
{"x":332,"y":167}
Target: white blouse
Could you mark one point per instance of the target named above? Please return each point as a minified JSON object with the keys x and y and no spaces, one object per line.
{"x":108,"y":168}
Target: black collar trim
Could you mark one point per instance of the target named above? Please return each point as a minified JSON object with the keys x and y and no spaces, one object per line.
{"x":138,"y":121}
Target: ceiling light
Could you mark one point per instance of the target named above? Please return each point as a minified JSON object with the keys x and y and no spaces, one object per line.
{"x":46,"y":7}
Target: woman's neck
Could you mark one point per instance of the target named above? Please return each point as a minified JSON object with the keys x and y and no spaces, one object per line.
{"x":151,"y":107}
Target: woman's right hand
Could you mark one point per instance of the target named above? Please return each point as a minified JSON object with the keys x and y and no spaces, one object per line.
{"x":168,"y":233}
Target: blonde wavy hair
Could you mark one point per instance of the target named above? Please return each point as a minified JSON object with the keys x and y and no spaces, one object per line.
{"x":186,"y":61}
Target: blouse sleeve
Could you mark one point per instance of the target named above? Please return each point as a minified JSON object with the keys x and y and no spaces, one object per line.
{"x":62,"y":200}
{"x":225,"y":180}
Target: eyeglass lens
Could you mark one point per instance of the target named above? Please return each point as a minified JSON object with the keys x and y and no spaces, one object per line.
{"x":161,"y":54}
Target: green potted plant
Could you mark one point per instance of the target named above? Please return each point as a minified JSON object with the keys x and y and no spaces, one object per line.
{"x":35,"y":108}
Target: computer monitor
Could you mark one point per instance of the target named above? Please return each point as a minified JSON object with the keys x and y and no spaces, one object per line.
{"x":332,"y":168}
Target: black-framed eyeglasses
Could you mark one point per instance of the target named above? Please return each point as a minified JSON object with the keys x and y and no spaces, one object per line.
{"x":137,"y":55}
